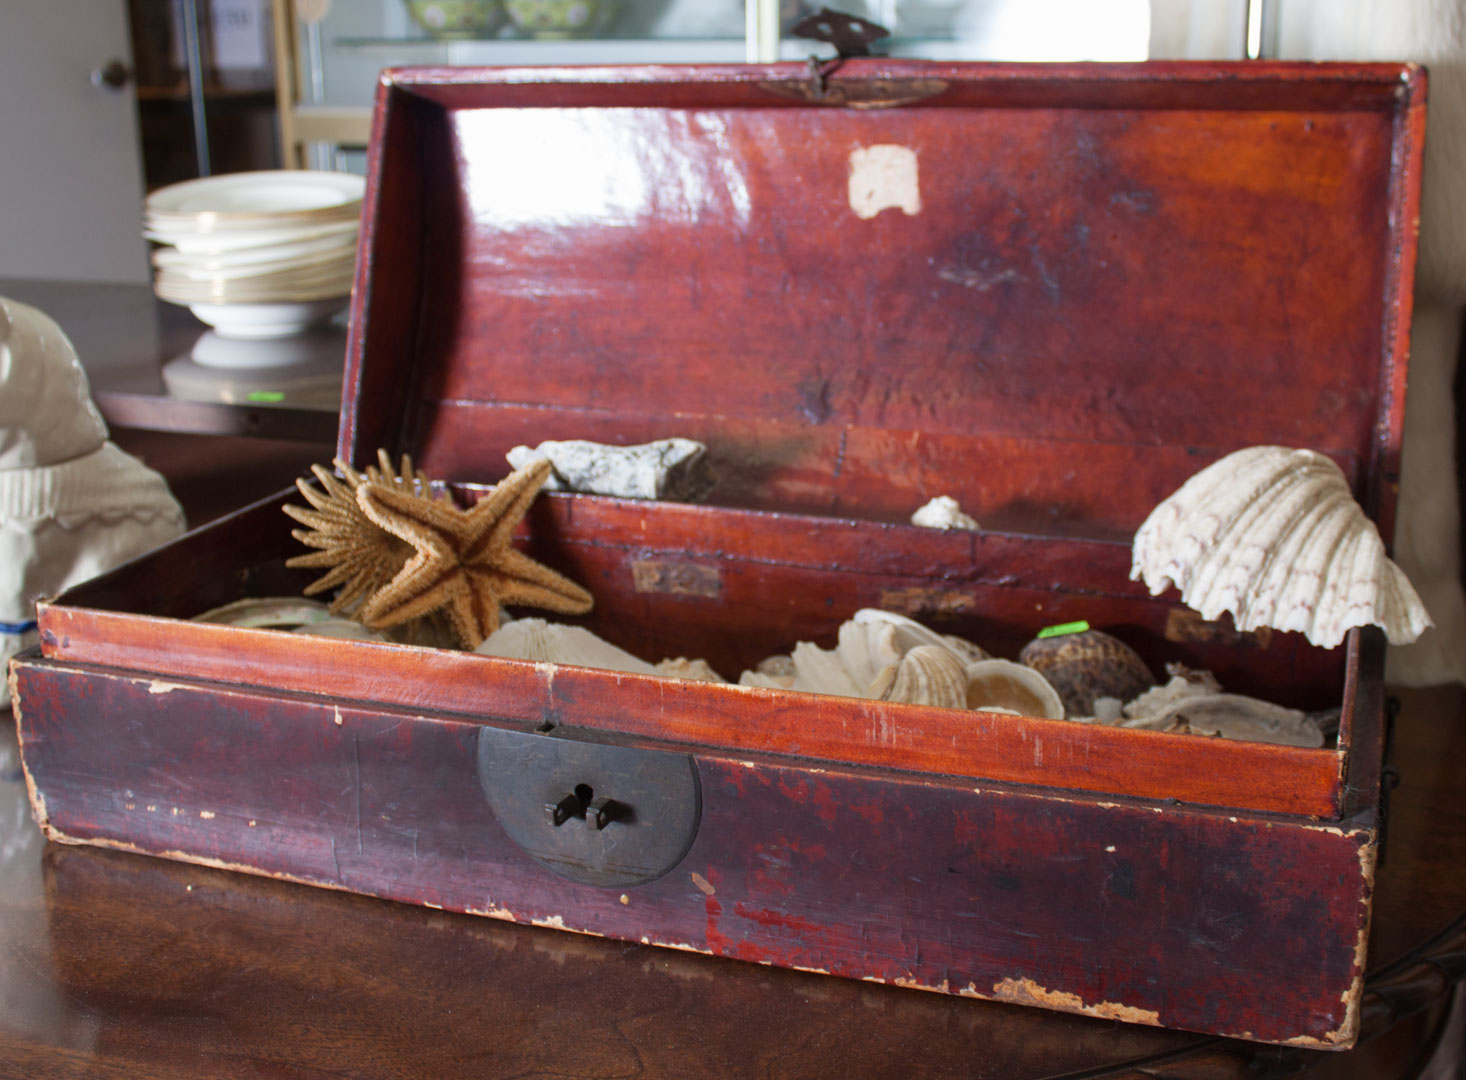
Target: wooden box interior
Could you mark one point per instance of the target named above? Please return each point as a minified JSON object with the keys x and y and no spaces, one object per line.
{"x":1116,"y":274}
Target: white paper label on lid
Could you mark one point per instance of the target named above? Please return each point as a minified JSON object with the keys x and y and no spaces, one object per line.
{"x":883,"y":177}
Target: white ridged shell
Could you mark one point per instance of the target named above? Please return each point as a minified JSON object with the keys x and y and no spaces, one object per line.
{"x":929,"y":675}
{"x":1274,"y":536}
{"x":907,"y":633}
{"x":538,"y":640}
{"x":557,"y":643}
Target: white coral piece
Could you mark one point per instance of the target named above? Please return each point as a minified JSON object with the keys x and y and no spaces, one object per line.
{"x":557,"y":643}
{"x":943,"y":512}
{"x":1274,"y":536}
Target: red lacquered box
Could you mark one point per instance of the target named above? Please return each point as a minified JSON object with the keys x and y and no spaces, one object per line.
{"x":1066,"y":290}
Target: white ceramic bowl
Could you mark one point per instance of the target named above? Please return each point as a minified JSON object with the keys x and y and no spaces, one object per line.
{"x":304,"y":283}
{"x":293,"y":195}
{"x":320,"y":347}
{"x":312,"y":265}
{"x":233,"y":240}
{"x":262,"y":256}
{"x":266,"y":320}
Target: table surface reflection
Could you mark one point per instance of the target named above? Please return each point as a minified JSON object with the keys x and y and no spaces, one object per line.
{"x":124,"y":336}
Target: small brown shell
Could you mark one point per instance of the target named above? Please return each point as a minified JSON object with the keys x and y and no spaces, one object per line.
{"x":1088,"y":665}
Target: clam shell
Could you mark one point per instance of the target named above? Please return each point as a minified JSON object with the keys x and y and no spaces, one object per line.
{"x":349,"y":629}
{"x":1003,"y":686}
{"x":1086,"y":666}
{"x":907,"y":634}
{"x":267,"y":612}
{"x":809,"y":669}
{"x":1235,"y":716}
{"x":1273,"y":536}
{"x":868,"y":652}
{"x":928,"y":675}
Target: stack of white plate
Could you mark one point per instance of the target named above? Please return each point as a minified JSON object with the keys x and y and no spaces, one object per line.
{"x":257,"y":254}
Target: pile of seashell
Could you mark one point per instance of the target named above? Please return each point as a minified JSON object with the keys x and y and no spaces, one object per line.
{"x":1102,"y":680}
{"x":889,"y":657}
{"x":1270,"y":534}
{"x":1089,"y":677}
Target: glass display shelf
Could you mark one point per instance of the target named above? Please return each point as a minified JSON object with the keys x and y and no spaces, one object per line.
{"x":340,"y":50}
{"x":475,"y":52}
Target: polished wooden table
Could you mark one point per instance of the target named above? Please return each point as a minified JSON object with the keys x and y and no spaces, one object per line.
{"x":124,"y":336}
{"x":119,"y":965}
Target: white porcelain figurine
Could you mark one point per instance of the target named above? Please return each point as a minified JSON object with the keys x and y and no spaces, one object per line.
{"x":72,"y":504}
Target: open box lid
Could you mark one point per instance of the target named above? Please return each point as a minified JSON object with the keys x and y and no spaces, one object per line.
{"x":1052,"y":292}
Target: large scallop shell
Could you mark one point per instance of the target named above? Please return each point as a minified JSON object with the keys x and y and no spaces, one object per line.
{"x":1274,"y":536}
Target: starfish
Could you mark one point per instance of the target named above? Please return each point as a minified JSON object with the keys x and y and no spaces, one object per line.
{"x":463,"y":562}
{"x":356,"y":554}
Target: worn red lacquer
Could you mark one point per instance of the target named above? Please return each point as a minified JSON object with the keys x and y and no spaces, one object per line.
{"x":1092,"y":281}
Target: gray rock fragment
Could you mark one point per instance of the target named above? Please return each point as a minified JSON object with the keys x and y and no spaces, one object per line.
{"x":674,"y":469}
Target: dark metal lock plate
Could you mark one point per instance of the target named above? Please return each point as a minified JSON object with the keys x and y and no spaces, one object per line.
{"x":591,"y":812}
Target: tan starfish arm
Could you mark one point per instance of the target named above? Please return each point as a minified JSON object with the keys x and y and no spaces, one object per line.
{"x":326,"y":525}
{"x":524,"y":581}
{"x":428,"y":526}
{"x":358,"y":555}
{"x":331,"y":491}
{"x":357,"y":573}
{"x":313,"y":560}
{"x":351,"y":586}
{"x":495,"y":516}
{"x":421,"y":587}
{"x":473,"y":614}
{"x":471,"y":608}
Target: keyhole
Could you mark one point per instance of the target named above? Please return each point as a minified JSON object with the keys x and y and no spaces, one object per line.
{"x":583,"y":793}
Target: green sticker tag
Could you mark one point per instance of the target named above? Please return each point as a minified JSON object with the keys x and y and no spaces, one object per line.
{"x":1064,"y":628}
{"x":268,"y":397}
